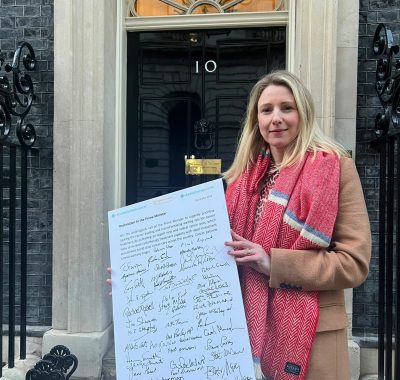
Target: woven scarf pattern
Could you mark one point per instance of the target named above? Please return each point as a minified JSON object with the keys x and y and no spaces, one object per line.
{"x":299,"y":214}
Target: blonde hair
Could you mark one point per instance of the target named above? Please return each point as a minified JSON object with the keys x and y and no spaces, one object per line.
{"x":310,"y":137}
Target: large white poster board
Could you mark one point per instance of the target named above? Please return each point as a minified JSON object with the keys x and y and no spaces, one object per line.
{"x":178,"y":311}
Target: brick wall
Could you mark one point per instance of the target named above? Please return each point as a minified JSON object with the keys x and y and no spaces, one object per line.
{"x":32,"y":21}
{"x":372,"y":12}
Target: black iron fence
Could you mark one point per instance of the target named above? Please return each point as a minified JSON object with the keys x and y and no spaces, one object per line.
{"x":59,"y":364}
{"x":387,"y":128}
{"x":389,"y":256}
{"x":16,"y":142}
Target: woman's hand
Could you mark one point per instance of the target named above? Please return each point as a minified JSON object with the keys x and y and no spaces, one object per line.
{"x":248,"y":253}
{"x":109,"y":270}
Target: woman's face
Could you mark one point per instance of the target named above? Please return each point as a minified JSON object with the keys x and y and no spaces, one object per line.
{"x":278,"y":119}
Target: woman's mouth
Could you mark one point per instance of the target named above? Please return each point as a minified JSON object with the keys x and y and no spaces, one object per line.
{"x":278,"y":130}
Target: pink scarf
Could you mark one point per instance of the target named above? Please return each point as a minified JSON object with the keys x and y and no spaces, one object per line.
{"x":299,"y":214}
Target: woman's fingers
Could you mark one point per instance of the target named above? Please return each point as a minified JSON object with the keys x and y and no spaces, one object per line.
{"x":238,"y":245}
{"x":108,"y":280}
{"x":238,"y":237}
{"x":242,"y":247}
{"x":242,"y":252}
{"x":245,"y":252}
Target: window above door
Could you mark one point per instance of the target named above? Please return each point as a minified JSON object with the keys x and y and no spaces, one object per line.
{"x":150,"y":8}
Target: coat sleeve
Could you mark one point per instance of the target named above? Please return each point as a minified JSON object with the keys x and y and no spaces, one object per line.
{"x":344,"y":264}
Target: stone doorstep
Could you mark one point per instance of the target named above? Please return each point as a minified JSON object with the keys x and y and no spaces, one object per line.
{"x":89,"y":348}
{"x":21,"y":367}
{"x":108,"y":371}
{"x":33,"y":354}
{"x":354,"y":359}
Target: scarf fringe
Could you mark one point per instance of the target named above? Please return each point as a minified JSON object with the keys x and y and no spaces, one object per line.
{"x":257,"y":369}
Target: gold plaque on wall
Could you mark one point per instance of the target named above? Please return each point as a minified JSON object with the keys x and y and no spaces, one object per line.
{"x":194,"y":166}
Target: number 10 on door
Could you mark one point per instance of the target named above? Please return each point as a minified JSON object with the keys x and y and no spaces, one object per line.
{"x":210,"y":66}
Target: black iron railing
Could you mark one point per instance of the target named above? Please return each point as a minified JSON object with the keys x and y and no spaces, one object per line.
{"x":16,"y":97}
{"x":387,"y":129}
{"x":59,"y":364}
{"x":389,"y":254}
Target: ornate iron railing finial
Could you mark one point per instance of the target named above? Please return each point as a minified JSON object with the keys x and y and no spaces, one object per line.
{"x":59,"y":364}
{"x":387,"y":80}
{"x":16,"y":98}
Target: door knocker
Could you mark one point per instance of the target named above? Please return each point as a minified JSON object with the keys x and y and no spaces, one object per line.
{"x":203,"y":135}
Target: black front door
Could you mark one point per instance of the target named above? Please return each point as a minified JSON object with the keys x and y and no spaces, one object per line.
{"x":186,"y":96}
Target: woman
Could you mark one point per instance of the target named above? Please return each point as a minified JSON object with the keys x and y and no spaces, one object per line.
{"x":300,"y":234}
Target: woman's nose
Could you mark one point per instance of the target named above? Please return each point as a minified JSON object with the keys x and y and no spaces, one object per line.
{"x":276,"y":116}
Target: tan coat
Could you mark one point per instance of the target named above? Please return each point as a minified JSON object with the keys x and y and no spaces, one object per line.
{"x":344,"y":264}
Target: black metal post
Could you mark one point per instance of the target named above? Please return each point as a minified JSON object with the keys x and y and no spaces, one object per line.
{"x":11,"y":264}
{"x":382,"y":254}
{"x":24,"y":237}
{"x":389,"y":261}
{"x":1,"y":259}
{"x":397,"y":313}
